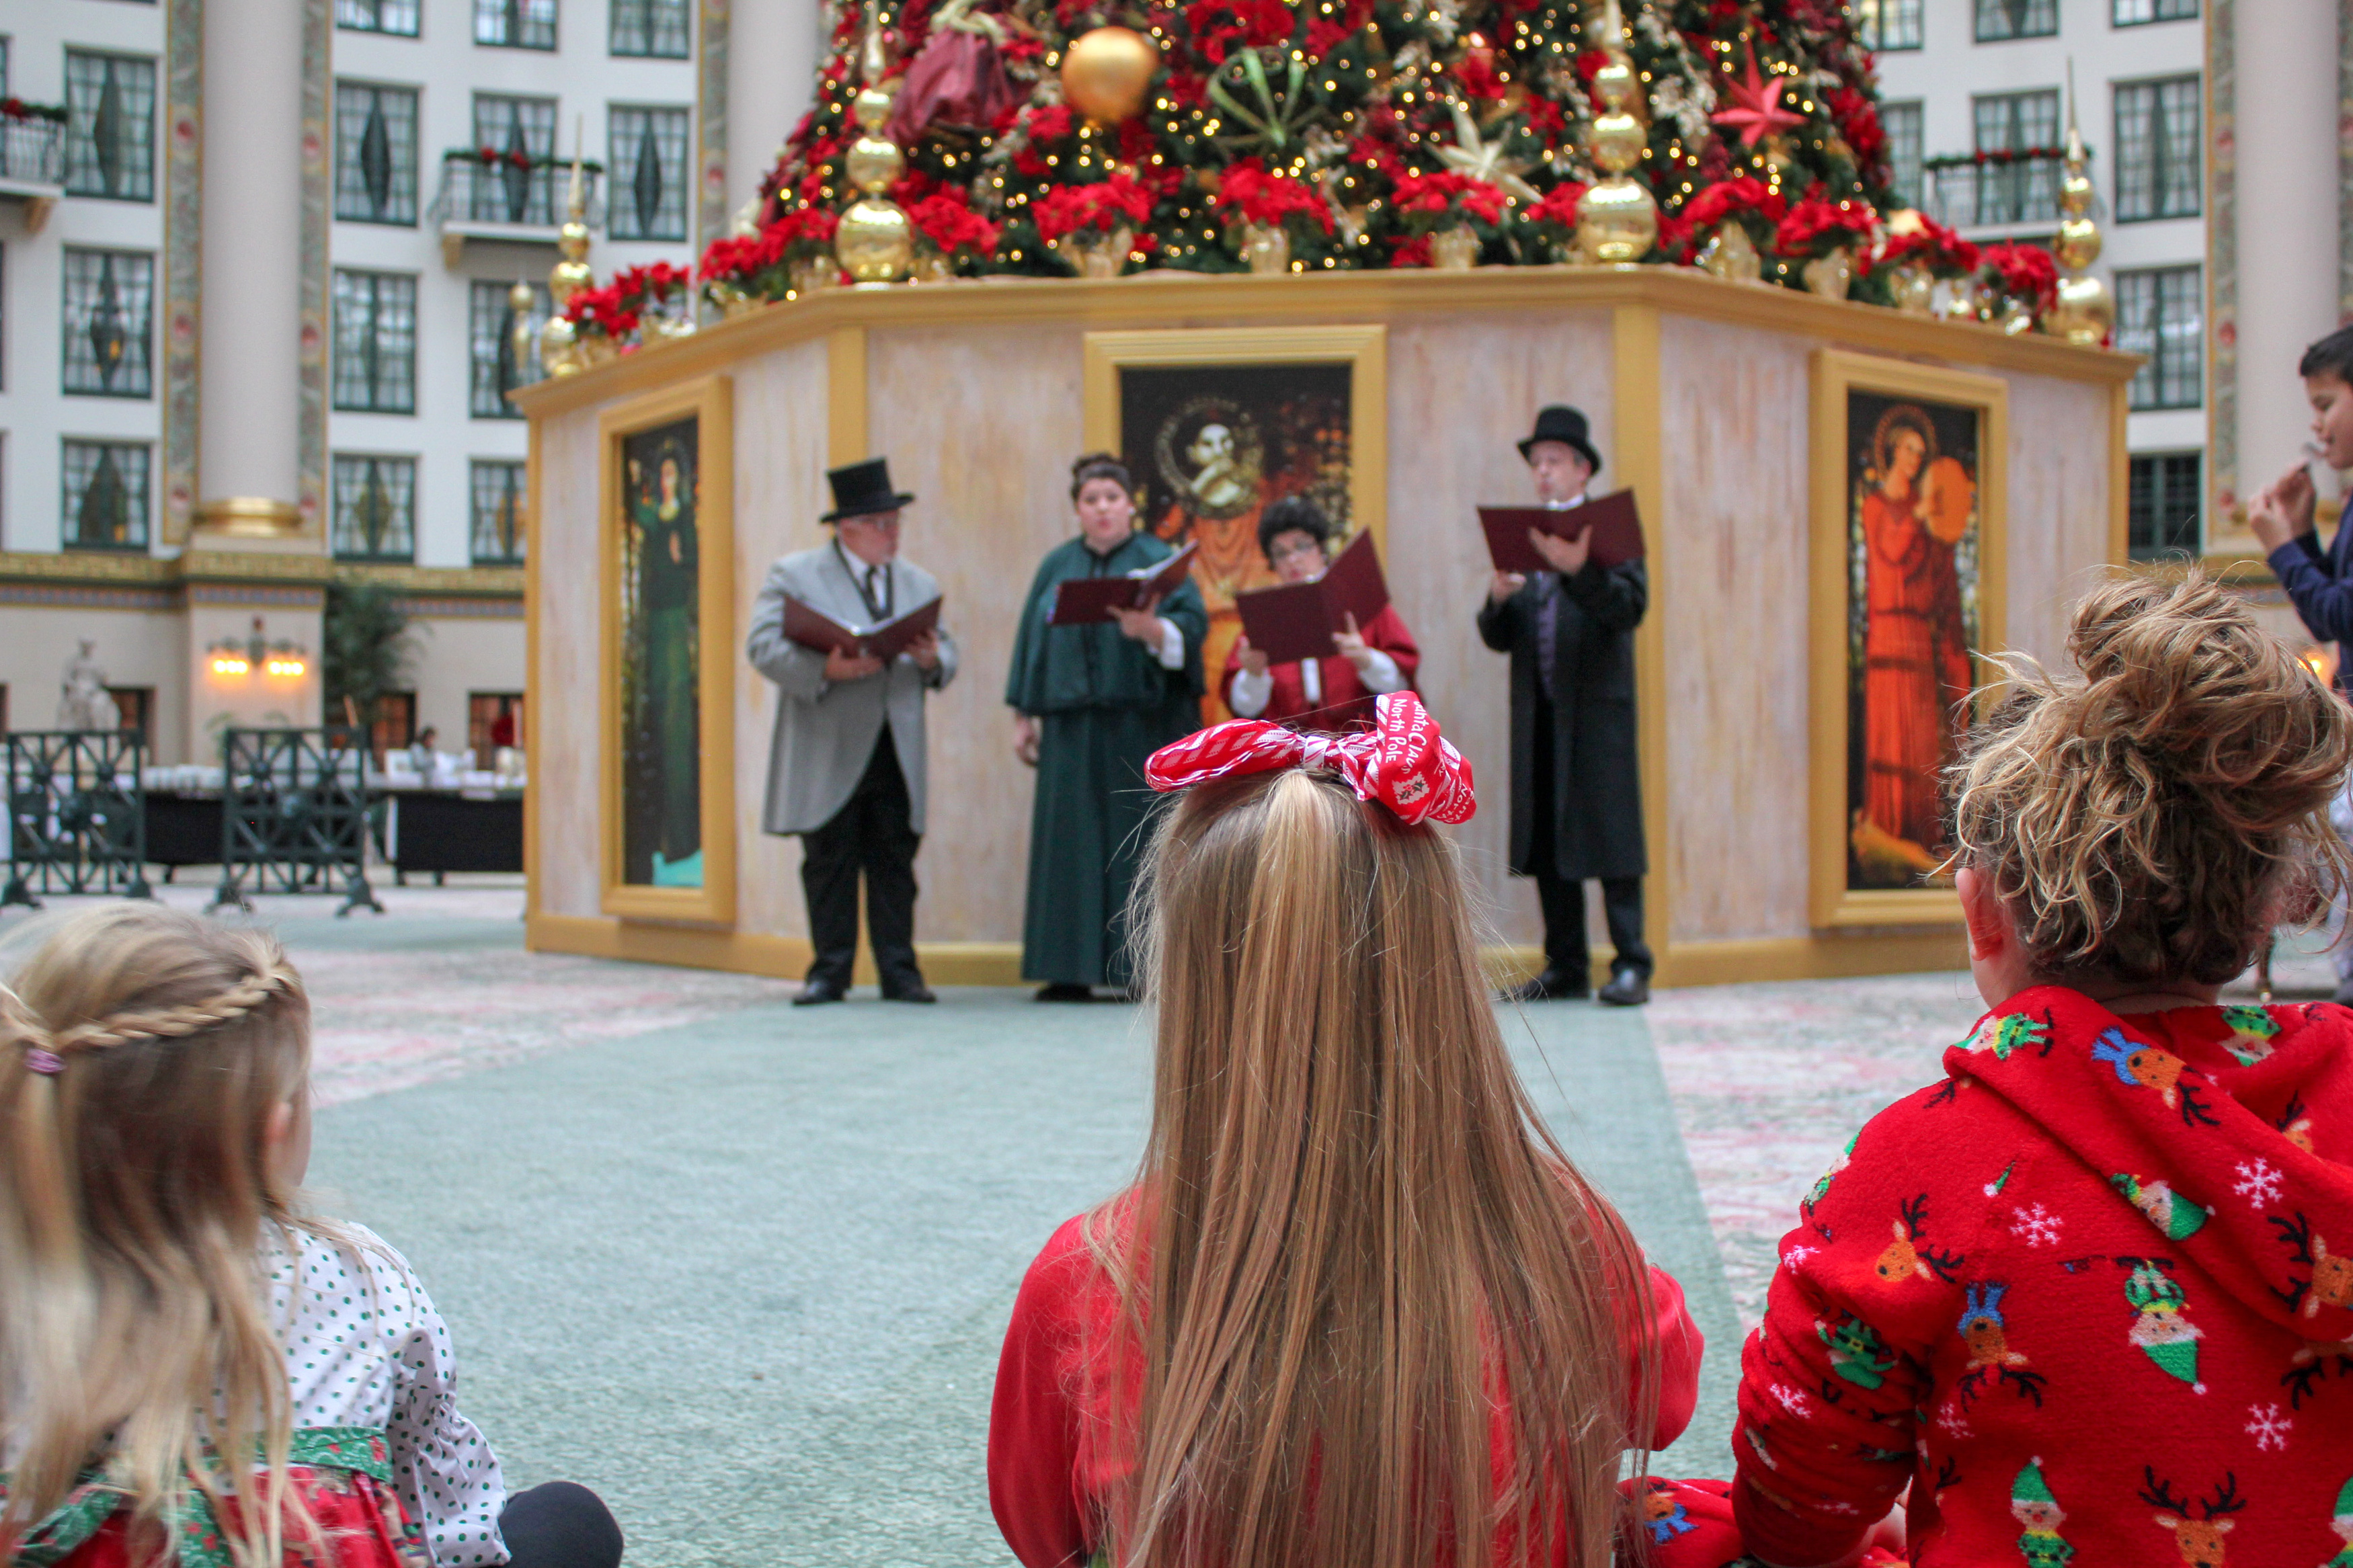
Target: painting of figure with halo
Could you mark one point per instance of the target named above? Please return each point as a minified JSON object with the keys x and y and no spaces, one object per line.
{"x":1210,"y":446}
{"x":1913,"y":546}
{"x":661,"y":788}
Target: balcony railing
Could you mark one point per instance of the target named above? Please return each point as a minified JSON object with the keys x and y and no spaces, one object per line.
{"x":32,"y":164}
{"x":505,"y":201}
{"x":2007,"y":189}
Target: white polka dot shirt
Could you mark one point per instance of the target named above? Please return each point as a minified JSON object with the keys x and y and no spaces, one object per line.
{"x":366,"y":1348}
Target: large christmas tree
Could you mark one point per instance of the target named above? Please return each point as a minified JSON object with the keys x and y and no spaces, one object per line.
{"x":1363,"y":131}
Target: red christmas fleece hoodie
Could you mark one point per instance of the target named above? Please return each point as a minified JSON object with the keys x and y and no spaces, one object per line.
{"x":2091,"y":1298}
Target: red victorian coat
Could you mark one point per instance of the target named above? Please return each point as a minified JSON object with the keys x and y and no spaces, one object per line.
{"x":1347,"y":703}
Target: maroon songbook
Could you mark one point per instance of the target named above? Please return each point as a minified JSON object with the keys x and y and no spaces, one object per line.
{"x":1084,"y":601}
{"x":1617,"y":531}
{"x":813,"y":628}
{"x":1299,"y":620}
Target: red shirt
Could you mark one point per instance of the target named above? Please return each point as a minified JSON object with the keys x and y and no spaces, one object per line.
{"x":1049,"y":1462}
{"x":1347,"y":702}
{"x":2091,"y":1294}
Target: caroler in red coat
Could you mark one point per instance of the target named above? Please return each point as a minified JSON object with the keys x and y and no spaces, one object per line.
{"x":2091,"y":1296}
{"x":1358,"y":1310}
{"x":1333,"y":695}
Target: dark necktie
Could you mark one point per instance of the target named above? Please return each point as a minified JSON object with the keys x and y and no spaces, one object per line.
{"x":877,"y":593}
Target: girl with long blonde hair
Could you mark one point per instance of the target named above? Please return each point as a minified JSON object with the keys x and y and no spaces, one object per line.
{"x":191,"y":1370}
{"x":1357,"y":1309}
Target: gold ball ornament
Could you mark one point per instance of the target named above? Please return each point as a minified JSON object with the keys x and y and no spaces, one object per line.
{"x":1107,"y":71}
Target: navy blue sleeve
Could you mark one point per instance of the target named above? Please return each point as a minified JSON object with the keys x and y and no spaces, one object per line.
{"x":2322,"y":600}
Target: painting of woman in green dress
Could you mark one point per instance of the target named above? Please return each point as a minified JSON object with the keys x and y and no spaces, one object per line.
{"x":662,"y":783}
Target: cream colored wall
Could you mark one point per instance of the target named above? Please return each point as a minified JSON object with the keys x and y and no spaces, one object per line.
{"x":458,"y":655}
{"x":566,"y":698}
{"x":135,"y":648}
{"x":257,"y":699}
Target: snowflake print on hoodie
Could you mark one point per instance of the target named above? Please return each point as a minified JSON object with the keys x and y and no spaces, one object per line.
{"x":2092,"y":1293}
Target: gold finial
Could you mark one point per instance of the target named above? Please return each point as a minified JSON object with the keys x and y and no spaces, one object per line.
{"x":1618,"y":221}
{"x":875,"y":242}
{"x":558,"y":349}
{"x":2082,"y":312}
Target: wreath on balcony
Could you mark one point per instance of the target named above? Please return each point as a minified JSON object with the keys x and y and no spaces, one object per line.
{"x":17,"y":108}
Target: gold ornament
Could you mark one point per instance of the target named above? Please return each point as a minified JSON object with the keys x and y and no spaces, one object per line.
{"x":519,"y":304}
{"x":1731,"y":255}
{"x":1454,"y":248}
{"x":560,"y":350}
{"x":1107,"y":72}
{"x":1829,"y":276}
{"x":2083,"y":311}
{"x":876,"y":241}
{"x":1484,"y":161}
{"x":1618,"y":221}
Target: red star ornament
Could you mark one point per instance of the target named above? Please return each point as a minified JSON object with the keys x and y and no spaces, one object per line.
{"x":1756,"y":110}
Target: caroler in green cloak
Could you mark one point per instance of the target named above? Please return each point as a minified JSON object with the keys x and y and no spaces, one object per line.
{"x":1090,"y":703}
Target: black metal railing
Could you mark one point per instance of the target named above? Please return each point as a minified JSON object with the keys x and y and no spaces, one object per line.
{"x":77,"y":814}
{"x":294,"y":816}
{"x":530,"y":197}
{"x":32,"y":151}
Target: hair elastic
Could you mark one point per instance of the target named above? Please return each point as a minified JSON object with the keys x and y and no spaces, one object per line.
{"x":42,"y":1060}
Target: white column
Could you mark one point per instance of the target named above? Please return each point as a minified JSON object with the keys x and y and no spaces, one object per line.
{"x":2286,"y":161}
{"x":772,"y":60}
{"x":252,"y":241}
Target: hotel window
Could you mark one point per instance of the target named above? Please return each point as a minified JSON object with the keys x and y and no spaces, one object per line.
{"x":375,"y":342}
{"x":109,"y":312}
{"x":499,"y":497}
{"x":521,"y":128}
{"x":2157,"y":151}
{"x":2161,"y":511}
{"x":496,"y":369}
{"x":135,"y":706}
{"x":398,"y":17}
{"x":109,"y":126}
{"x":375,"y":154}
{"x":2133,"y":13}
{"x":1999,"y":19}
{"x":1885,"y":25}
{"x":374,"y":508}
{"x":2026,"y":191}
{"x":105,"y":495}
{"x":647,"y":198}
{"x":515,"y":23}
{"x":2160,"y":312}
{"x":1902,"y":123}
{"x":655,"y":27}
{"x":488,"y":716}
{"x":395,"y":729}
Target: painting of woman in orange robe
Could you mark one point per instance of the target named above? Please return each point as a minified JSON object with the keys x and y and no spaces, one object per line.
{"x":1913,"y":585}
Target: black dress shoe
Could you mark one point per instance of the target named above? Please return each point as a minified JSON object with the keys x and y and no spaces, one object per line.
{"x":814,"y":991}
{"x":1626,"y":988}
{"x":1062,"y":991}
{"x":1552,"y":986}
{"x":915,"y":991}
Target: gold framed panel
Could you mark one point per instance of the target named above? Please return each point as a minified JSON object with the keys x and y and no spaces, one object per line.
{"x":1841,"y":833}
{"x":710,"y":403}
{"x":1260,"y":389}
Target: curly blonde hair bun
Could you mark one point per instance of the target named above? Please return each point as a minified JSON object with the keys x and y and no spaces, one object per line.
{"x":2156,"y":818}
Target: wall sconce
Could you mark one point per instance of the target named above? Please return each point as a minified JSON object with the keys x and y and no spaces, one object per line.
{"x":231,"y":659}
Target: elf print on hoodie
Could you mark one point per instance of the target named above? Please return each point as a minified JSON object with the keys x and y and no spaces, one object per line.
{"x":2104,"y":1275}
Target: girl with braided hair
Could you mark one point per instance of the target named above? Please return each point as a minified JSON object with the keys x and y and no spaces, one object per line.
{"x":191,"y":1370}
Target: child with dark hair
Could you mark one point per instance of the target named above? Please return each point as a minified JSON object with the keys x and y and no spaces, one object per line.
{"x":2092,"y":1292}
{"x":2319,"y":582}
{"x":1334,"y":694}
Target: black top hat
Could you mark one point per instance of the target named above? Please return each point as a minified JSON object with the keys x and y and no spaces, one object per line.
{"x":860,"y":490}
{"x":1565,"y":424}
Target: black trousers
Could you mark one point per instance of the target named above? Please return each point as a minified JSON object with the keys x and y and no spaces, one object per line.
{"x":560,"y":1525}
{"x":871,"y":834}
{"x":1562,"y":899}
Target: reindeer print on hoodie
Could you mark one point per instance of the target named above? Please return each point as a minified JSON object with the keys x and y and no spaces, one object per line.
{"x":2091,"y":1298}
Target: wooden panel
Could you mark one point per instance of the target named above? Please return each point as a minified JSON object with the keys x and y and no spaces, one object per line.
{"x":567,"y":749}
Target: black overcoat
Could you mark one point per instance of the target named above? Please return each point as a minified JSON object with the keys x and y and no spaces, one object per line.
{"x":1596,"y":795}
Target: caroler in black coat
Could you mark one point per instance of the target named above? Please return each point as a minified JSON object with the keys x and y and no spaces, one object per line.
{"x":1577,"y":802}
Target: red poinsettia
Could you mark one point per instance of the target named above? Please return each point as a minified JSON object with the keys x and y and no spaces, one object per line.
{"x":652,"y":284}
{"x":1250,"y":193}
{"x":1554,"y":218}
{"x":599,"y":312}
{"x":1725,"y":198}
{"x":1815,"y":228}
{"x":1933,"y":245}
{"x":1222,"y":26}
{"x":1477,"y":77}
{"x":2021,"y":272}
{"x":1858,"y":122}
{"x":1048,"y":129}
{"x":1445,"y":196}
{"x":947,"y":220}
{"x":1115,"y":203}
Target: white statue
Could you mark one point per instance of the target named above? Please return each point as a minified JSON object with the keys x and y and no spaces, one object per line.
{"x":84,"y":704}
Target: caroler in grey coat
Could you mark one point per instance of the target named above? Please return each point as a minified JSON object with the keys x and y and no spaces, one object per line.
{"x":826,"y":731}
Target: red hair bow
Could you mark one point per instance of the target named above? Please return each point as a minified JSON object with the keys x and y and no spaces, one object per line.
{"x":1402,"y":760}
